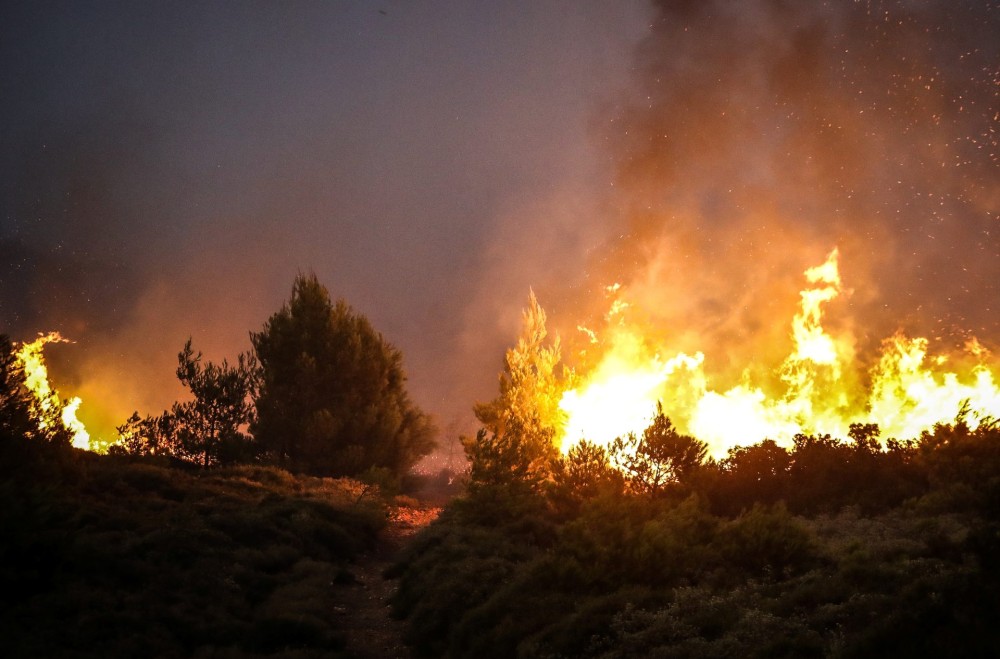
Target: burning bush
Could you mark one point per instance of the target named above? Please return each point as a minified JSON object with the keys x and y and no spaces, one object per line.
{"x":29,"y":407}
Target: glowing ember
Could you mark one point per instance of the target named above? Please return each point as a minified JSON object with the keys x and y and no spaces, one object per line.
{"x":909,"y":392}
{"x":37,"y":381}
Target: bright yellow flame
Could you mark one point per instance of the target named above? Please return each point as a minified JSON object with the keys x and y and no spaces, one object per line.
{"x":37,"y":380}
{"x":812,"y":343}
{"x":740,"y":416}
{"x":622,"y":392}
{"x":909,"y":392}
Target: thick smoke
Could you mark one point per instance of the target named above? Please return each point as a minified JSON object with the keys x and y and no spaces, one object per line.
{"x":764,"y":133}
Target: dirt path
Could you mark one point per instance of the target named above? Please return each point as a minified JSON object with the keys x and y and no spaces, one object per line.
{"x":366,"y":615}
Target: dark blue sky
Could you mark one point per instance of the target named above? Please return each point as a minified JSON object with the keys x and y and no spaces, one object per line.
{"x":167,"y":168}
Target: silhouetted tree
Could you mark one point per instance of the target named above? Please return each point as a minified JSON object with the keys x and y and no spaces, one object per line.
{"x":659,"y":457}
{"x":865,"y":436}
{"x":208,"y":429}
{"x":512,"y":457}
{"x":332,"y":397}
{"x":820,"y":474}
{"x":752,"y":474}
{"x":150,"y":435}
{"x":964,"y":462}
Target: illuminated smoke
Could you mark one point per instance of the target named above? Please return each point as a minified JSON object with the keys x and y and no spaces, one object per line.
{"x":757,"y":135}
{"x":760,"y":133}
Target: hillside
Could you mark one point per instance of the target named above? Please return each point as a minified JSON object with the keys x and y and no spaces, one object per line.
{"x":829,"y":549}
{"x":105,"y":557}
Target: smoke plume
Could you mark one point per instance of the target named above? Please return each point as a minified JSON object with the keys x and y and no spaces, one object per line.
{"x":761,"y":134}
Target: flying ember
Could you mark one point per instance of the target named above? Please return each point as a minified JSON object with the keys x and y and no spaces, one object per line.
{"x":37,"y":380}
{"x":820,"y":384}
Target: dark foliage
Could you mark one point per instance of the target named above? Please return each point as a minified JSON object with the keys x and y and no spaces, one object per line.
{"x":832,"y":548}
{"x":757,"y":473}
{"x":659,"y":458}
{"x":208,"y":430}
{"x":964,"y":464}
{"x":128,"y":558}
{"x":332,"y":397}
{"x":846,"y":548}
{"x":820,"y":474}
{"x":516,"y":457}
{"x":585,"y":473}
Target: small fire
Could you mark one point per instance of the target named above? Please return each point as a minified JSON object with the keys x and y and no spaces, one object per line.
{"x":37,"y":380}
{"x":909,"y":390}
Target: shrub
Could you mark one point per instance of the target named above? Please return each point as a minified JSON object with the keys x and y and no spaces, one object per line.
{"x":766,"y":539}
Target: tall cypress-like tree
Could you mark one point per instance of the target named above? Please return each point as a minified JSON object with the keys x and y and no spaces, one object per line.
{"x":520,"y":426}
{"x":332,"y":397}
{"x":530,"y":388}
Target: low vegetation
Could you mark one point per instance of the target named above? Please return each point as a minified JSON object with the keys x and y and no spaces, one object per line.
{"x":831,"y":548}
{"x":115,"y":557}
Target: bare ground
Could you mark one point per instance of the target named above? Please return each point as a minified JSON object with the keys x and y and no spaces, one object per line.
{"x":372,"y":632}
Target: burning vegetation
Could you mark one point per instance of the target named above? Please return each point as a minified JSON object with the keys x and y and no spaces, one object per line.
{"x":595,"y":525}
{"x":630,"y":382}
{"x":47,"y":406}
{"x":627,"y":379}
{"x":650,"y":487}
{"x":819,"y":388}
{"x":322,"y":392}
{"x":787,"y":534}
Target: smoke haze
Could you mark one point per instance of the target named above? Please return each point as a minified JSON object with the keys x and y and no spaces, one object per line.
{"x":762,"y":134}
{"x":166,"y":171}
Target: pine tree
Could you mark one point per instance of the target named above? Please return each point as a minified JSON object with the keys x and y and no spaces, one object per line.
{"x":209,"y":429}
{"x":332,"y":398}
{"x":659,"y":457}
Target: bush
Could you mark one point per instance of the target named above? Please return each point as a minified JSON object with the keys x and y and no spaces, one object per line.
{"x":147,"y":561}
{"x":766,"y":539}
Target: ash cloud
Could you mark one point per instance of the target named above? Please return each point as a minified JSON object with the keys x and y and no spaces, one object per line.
{"x":761,"y":134}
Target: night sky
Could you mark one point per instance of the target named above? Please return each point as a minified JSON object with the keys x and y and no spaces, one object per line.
{"x":168,"y":168}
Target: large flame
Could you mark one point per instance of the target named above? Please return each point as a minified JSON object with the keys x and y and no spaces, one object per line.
{"x":822,"y":391}
{"x":621,"y":394}
{"x":37,"y":380}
